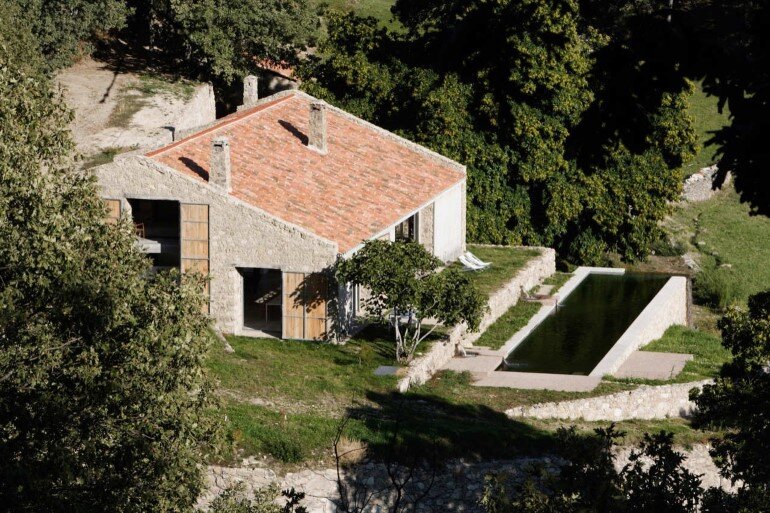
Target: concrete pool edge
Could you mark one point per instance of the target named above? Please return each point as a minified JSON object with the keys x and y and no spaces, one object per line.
{"x":667,"y":308}
{"x":646,"y":327}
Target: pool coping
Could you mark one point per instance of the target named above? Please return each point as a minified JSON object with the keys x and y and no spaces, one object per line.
{"x":626,"y":344}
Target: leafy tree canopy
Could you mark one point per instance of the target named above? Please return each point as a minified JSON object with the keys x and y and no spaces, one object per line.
{"x":572,"y":136}
{"x":739,"y":402}
{"x":405,"y":287}
{"x":104,"y":399}
{"x":225,"y":38}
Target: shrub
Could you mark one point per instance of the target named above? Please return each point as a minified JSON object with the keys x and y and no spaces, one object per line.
{"x":715,"y":287}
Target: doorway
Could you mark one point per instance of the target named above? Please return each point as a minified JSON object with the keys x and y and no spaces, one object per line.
{"x":262,"y":301}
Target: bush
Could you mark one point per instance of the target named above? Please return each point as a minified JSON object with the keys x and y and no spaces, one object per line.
{"x":715,"y":287}
{"x":668,"y":248}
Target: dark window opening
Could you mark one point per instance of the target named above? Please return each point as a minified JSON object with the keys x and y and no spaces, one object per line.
{"x":157,"y":227}
{"x":406,"y":230}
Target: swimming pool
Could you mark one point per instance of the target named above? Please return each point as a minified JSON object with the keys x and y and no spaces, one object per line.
{"x":585,"y":325}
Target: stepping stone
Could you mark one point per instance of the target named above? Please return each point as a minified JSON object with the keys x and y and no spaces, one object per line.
{"x":386,"y":370}
{"x":653,"y":365}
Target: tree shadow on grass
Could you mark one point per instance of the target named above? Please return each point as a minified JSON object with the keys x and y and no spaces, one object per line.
{"x":420,"y":423}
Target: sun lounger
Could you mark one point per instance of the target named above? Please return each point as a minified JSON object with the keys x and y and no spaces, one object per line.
{"x":469,"y":265}
{"x":476,"y":260}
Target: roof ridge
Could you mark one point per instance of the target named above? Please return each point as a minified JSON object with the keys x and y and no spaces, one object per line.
{"x":229,"y":120}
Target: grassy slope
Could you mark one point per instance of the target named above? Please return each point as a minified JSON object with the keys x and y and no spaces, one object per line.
{"x":506,"y":262}
{"x":721,"y":231}
{"x":708,"y":118}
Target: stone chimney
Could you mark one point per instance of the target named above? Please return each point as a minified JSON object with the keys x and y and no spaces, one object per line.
{"x":316,"y":137}
{"x":219,"y":171}
{"x":250,"y":93}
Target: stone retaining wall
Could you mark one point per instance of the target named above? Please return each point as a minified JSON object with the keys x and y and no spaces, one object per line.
{"x":645,"y":402}
{"x":456,"y":488}
{"x":535,"y":270}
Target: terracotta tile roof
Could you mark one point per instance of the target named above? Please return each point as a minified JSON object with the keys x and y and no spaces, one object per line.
{"x":368,"y":180}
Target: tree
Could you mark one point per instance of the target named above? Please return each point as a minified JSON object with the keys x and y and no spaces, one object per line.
{"x":406,"y":287}
{"x":65,"y":29}
{"x":105,"y":404}
{"x":225,"y":39}
{"x":739,"y":400}
{"x":733,"y":59}
{"x":567,"y":143}
{"x":654,"y":480}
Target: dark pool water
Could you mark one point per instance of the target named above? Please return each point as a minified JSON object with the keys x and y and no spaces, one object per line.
{"x":575,"y":337}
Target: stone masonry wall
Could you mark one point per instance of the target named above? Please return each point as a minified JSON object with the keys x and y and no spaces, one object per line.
{"x":240,"y":235}
{"x":199,"y":110}
{"x":645,"y":402}
{"x":422,"y":368}
{"x":457,"y":488}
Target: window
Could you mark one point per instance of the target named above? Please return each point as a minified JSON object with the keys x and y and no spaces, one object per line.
{"x":407,"y":229}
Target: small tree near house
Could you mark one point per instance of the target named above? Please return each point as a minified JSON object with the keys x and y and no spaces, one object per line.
{"x":407,"y":288}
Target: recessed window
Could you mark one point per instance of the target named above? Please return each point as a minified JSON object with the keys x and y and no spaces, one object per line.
{"x":407,"y":229}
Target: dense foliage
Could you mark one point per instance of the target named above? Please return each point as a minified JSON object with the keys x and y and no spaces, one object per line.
{"x":104,"y":400}
{"x":654,"y":480}
{"x":405,"y":287}
{"x":225,"y":38}
{"x":734,"y":60}
{"x":739,"y":402}
{"x":573,"y":137}
{"x":64,"y":29}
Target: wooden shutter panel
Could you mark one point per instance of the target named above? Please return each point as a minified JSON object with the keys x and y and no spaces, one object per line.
{"x":113,"y":210}
{"x":194,"y":240}
{"x":304,"y":305}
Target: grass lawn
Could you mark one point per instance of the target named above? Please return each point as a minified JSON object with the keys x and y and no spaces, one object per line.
{"x":379,"y":9}
{"x":506,"y":262}
{"x":706,"y":348}
{"x":508,"y":324}
{"x":705,"y":111}
{"x":722,"y":233}
{"x":105,"y":156}
{"x":286,"y":399}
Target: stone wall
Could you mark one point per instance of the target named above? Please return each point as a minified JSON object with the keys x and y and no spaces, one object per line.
{"x":456,"y":488}
{"x":240,"y":235}
{"x":645,"y":402}
{"x":700,"y":186}
{"x":667,"y":308}
{"x":423,"y":367}
{"x":199,"y":110}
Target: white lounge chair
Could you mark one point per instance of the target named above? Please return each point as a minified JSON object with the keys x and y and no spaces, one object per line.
{"x":476,"y":260}
{"x":469,"y":265}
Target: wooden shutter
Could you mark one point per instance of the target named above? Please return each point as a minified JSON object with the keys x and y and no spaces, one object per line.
{"x":194,"y":240}
{"x":113,"y":210}
{"x":304,"y":305}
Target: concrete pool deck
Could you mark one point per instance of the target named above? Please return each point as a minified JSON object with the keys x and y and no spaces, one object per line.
{"x":650,"y":324}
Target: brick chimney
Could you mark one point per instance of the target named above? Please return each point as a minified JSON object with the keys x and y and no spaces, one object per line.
{"x":219,"y":171}
{"x":250,"y":93}
{"x":316,"y":137}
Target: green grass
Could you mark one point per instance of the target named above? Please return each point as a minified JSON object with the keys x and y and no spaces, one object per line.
{"x":708,"y":352}
{"x":706,"y":348}
{"x":291,"y":373}
{"x":557,"y":279}
{"x":379,"y":9}
{"x":705,"y":111}
{"x":506,"y":262}
{"x":105,"y":156}
{"x":456,"y":388}
{"x":722,"y":233}
{"x":508,"y":324}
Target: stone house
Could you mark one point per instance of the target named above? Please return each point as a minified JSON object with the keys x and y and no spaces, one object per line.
{"x":266,"y":199}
